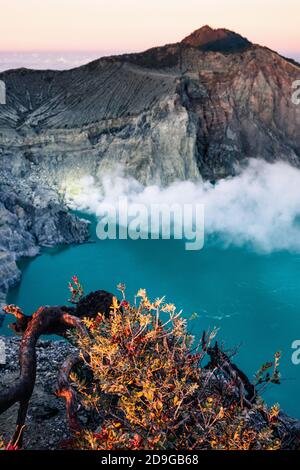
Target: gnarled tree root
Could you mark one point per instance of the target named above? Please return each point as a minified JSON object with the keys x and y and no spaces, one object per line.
{"x":47,"y":321}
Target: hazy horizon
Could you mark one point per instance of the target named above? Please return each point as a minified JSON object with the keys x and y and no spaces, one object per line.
{"x":62,"y":60}
{"x":67,"y":33}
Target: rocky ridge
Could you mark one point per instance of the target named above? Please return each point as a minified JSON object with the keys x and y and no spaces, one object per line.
{"x":222,"y":40}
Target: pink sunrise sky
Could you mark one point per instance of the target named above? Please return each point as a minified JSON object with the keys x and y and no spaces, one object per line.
{"x":134,"y":25}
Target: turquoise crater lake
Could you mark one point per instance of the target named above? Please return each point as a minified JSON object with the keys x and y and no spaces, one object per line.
{"x":253,"y":298}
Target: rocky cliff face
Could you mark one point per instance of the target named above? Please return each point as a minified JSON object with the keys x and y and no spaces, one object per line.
{"x":181,"y":111}
{"x":31,"y":216}
{"x":185,"y":110}
{"x":193,"y":109}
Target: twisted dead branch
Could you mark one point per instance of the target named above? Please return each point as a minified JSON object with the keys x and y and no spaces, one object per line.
{"x":47,"y":321}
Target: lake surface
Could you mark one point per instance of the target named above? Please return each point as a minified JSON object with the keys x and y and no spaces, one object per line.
{"x":253,"y":298}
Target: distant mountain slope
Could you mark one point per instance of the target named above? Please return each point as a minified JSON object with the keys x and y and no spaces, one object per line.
{"x":193,"y":108}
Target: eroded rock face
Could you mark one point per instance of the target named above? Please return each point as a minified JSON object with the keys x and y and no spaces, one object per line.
{"x":191,"y":110}
{"x":174,"y":112}
{"x":31,"y":216}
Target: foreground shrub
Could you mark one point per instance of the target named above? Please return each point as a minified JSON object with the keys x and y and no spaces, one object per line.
{"x":9,"y":446}
{"x":146,"y":386}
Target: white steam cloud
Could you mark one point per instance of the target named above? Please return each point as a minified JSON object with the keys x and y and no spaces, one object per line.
{"x":260,"y":207}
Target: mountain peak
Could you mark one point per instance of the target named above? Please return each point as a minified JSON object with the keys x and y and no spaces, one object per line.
{"x":221,"y":39}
